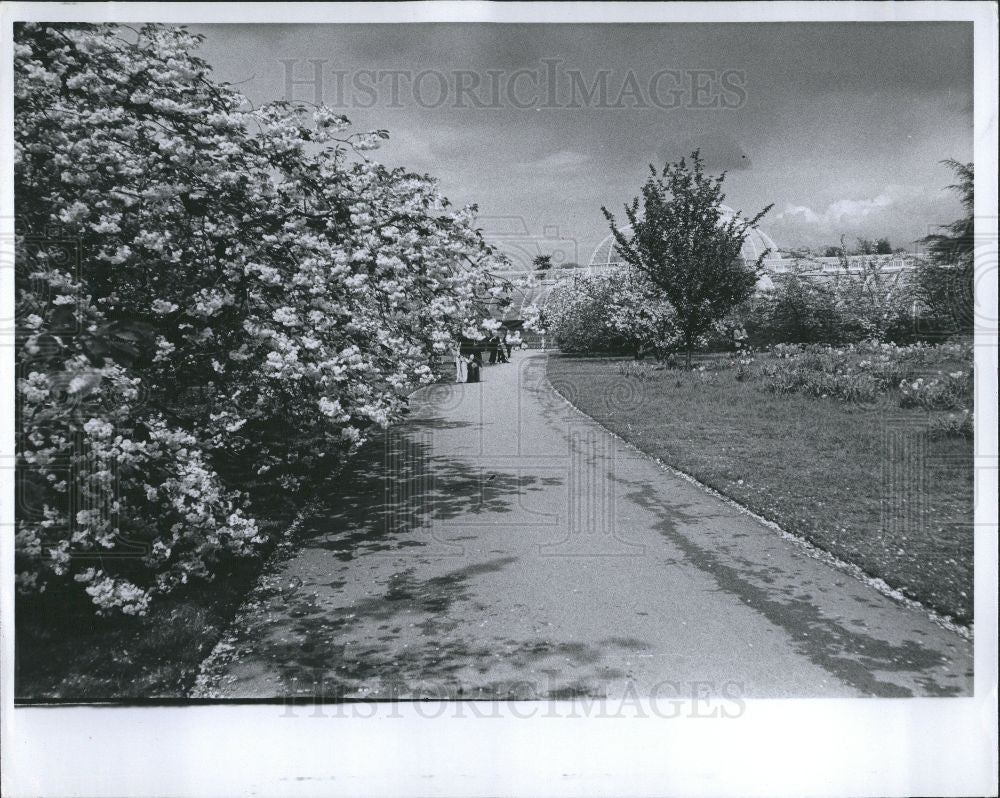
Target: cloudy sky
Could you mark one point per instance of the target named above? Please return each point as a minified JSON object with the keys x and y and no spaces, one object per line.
{"x":841,"y":126}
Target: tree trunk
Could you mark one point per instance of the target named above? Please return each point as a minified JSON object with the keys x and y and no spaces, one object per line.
{"x":687,"y":347}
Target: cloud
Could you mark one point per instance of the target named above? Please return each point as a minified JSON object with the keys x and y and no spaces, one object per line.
{"x":841,"y":212}
{"x":561,"y":161}
{"x":904,"y":213}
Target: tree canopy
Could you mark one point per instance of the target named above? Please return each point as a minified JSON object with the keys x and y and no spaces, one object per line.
{"x":687,"y":246}
{"x":208,"y":294}
{"x":946,"y":282}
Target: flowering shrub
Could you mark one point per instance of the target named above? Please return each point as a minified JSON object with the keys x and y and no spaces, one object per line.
{"x":864,"y":301}
{"x":797,"y":309}
{"x":875,"y":303}
{"x":612,"y":312}
{"x":246,"y":296}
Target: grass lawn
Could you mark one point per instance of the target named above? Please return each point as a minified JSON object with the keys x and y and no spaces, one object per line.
{"x":865,"y":482}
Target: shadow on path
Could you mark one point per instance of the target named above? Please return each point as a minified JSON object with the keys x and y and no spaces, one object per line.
{"x":409,"y":634}
{"x":397,"y":489}
{"x":849,"y":654}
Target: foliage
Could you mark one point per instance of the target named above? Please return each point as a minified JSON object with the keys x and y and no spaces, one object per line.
{"x":850,"y":308}
{"x":542,"y":263}
{"x":613,"y":312}
{"x":207,"y":292}
{"x":865,"y":373}
{"x":951,"y":391}
{"x":945,"y":282}
{"x":868,"y":247}
{"x":803,"y":311}
{"x":684,"y":247}
{"x":954,"y":425}
{"x":874,"y":303}
{"x":818,"y":384}
{"x":957,"y":243}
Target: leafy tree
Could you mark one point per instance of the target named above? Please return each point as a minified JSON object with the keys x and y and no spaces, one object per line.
{"x":542,"y":263}
{"x":945,"y":282}
{"x":686,"y":248}
{"x":865,"y":246}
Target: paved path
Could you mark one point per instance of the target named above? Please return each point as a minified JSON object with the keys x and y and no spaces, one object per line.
{"x":499,"y":544}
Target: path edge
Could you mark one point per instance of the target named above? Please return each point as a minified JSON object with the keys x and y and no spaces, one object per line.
{"x":811,"y":549}
{"x":213,"y":666}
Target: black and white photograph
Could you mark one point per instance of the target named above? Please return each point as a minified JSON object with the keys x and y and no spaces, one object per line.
{"x":573,"y":360}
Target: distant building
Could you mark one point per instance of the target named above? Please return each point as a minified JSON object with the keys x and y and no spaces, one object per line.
{"x":777,"y":264}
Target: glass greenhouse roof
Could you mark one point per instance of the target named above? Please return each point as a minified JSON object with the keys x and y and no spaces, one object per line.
{"x":757,"y":242}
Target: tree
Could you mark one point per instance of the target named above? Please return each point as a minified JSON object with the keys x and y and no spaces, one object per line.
{"x":865,"y":246}
{"x":945,"y":282}
{"x":542,"y":263}
{"x":209,"y":296}
{"x":682,"y":243}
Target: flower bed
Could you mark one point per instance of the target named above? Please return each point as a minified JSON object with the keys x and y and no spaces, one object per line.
{"x":919,"y":375}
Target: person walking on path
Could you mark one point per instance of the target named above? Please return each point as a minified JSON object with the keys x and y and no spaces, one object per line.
{"x":461,"y":363}
{"x":503,"y":348}
{"x":467,"y":353}
{"x":475,"y":365}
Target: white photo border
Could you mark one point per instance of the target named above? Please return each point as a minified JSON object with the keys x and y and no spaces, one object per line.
{"x":793,"y":747}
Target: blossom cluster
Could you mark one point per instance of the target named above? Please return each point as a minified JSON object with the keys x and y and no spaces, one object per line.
{"x":247,"y":297}
{"x":615,"y":311}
